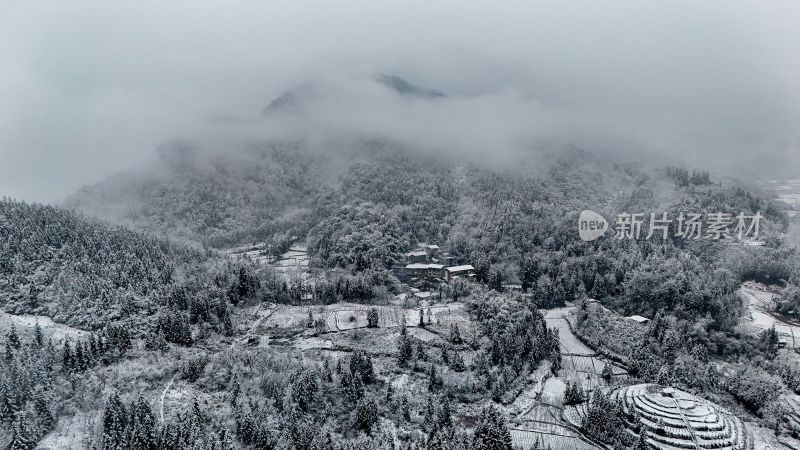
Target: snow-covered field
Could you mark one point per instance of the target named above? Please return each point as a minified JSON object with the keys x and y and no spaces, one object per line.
{"x":25,"y":325}
{"x":348,"y":316}
{"x":527,"y":439}
{"x":72,"y":433}
{"x":292,"y":265}
{"x":553,"y":392}
{"x":569,"y":343}
{"x":759,"y":302}
{"x":788,"y":191}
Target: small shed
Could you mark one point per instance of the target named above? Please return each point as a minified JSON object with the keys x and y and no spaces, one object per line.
{"x":465,"y":270}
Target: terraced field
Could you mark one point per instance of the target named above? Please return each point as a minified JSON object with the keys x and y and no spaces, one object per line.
{"x":348,"y":316}
{"x":677,"y":420}
{"x":525,"y":439}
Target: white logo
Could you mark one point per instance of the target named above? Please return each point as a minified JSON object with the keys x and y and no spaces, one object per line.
{"x":591,"y":225}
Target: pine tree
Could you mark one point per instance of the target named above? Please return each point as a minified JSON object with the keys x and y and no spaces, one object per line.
{"x":325,"y":372}
{"x":66,"y":359}
{"x":607,"y":374}
{"x":361,"y":365}
{"x":771,"y":341}
{"x":434,"y":441}
{"x":556,"y":356}
{"x":352,"y":386}
{"x":405,"y":411}
{"x":227,"y":323}
{"x":79,"y":360}
{"x":226,"y":440}
{"x":115,"y":423}
{"x":429,"y":414}
{"x":372,"y":318}
{"x":234,"y":390}
{"x":432,"y":379}
{"x":20,"y":437}
{"x":404,"y":351}
{"x":94,"y":350}
{"x":40,"y":405}
{"x":13,"y":338}
{"x":141,"y":427}
{"x":38,"y":336}
{"x":455,"y":334}
{"x":573,"y":394}
{"x":304,"y":390}
{"x":457,"y":363}
{"x":5,"y":404}
{"x":445,"y":415}
{"x":663,"y":377}
{"x":9,"y":353}
{"x":366,"y":415}
{"x":492,"y":432}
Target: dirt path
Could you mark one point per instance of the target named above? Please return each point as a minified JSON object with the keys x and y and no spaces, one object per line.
{"x":163,"y":396}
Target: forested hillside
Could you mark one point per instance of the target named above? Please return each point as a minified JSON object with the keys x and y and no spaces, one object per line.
{"x":359,"y":211}
{"x":89,"y":274}
{"x":219,"y":199}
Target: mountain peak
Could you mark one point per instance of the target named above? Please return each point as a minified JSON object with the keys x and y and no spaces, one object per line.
{"x":403,"y":87}
{"x":294,"y":99}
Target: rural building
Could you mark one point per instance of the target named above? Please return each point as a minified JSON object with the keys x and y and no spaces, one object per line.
{"x":459,"y":272}
{"x":417,"y":256}
{"x":417,"y":270}
{"x":421,"y":270}
{"x":435,"y":270}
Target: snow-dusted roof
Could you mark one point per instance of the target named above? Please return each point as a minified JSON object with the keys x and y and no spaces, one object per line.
{"x":638,"y":318}
{"x":417,"y":253}
{"x":460,"y":268}
{"x":432,"y":247}
{"x":422,"y":294}
{"x":424,"y":266}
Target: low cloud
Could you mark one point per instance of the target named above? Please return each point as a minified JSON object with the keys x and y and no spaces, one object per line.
{"x":91,"y":88}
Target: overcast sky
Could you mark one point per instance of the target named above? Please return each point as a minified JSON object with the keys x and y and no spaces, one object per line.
{"x":88,"y":88}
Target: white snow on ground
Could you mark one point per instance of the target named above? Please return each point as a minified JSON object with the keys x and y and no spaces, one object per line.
{"x":313,"y":343}
{"x":348,"y":316}
{"x":759,"y":302}
{"x":292,"y":265}
{"x":529,"y":397}
{"x":553,"y":392}
{"x":25,"y":324}
{"x":71,"y":433}
{"x":569,"y":343}
{"x":788,"y":191}
{"x":527,"y":439}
